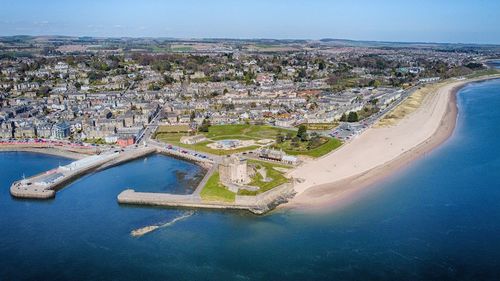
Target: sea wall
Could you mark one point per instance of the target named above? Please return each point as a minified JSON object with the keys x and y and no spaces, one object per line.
{"x":258,"y":204}
{"x":127,"y":157}
{"x":268,"y":200}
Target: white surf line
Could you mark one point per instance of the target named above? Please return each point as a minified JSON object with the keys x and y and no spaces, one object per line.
{"x":147,"y":229}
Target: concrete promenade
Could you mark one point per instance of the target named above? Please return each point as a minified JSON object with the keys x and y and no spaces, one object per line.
{"x":203,"y":182}
{"x":178,"y":152}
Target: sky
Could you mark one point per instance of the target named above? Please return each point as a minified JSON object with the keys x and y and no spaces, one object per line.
{"x":453,"y":21}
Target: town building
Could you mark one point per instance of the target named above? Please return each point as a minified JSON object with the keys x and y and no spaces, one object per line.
{"x":193,"y":139}
{"x":278,"y":155}
{"x":125,"y":141}
{"x":61,"y":130}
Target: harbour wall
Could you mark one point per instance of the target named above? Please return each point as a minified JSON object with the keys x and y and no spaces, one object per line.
{"x":258,"y":204}
{"x":35,"y":187}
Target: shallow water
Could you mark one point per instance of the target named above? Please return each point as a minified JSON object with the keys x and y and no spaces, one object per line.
{"x":437,"y":219}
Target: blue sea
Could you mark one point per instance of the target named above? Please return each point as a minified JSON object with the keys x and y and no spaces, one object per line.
{"x":495,"y":64}
{"x":437,"y":219}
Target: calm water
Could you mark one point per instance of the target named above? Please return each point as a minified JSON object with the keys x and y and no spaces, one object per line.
{"x":495,"y":64}
{"x":438,"y":219}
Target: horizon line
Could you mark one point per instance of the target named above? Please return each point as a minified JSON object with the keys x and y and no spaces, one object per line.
{"x":255,"y":38}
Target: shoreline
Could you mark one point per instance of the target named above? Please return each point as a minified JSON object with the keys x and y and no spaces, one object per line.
{"x":47,"y":151}
{"x":339,"y":193}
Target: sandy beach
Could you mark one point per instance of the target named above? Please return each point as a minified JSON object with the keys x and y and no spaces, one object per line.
{"x":338,"y":178}
{"x":45,"y":150}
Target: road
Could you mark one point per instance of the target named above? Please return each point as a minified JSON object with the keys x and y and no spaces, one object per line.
{"x":150,"y":128}
{"x":346,"y":131}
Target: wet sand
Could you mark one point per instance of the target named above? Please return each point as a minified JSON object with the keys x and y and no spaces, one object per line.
{"x":46,"y":150}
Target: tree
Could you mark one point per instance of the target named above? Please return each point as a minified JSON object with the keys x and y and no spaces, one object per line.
{"x":94,"y":76}
{"x":205,"y":124}
{"x":315,"y":141}
{"x":302,"y":132}
{"x":229,"y":106}
{"x":332,"y":80}
{"x":375,"y":83}
{"x":343,"y":118}
{"x":43,"y":91}
{"x":280,"y":138}
{"x":153,"y":87}
{"x":474,"y":65}
{"x":352,"y":117}
{"x":321,"y":65}
{"x":168,"y":79}
{"x":248,"y":77}
{"x":301,"y":73}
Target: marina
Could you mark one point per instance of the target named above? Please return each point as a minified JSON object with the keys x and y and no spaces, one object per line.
{"x":46,"y":184}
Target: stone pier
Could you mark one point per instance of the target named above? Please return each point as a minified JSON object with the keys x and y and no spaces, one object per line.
{"x":258,"y":204}
{"x":45,"y":185}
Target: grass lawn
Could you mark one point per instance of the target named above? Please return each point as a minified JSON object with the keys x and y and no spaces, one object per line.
{"x":276,"y":177}
{"x":239,"y":137}
{"x":485,"y":72}
{"x":173,"y":129}
{"x":222,"y":132}
{"x":319,"y":151}
{"x":215,"y":191}
{"x":174,"y":139}
{"x":160,"y":49}
{"x":243,"y":130}
{"x":181,"y":48}
{"x":94,"y":141}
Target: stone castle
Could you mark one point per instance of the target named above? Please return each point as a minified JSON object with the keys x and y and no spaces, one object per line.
{"x":234,"y":170}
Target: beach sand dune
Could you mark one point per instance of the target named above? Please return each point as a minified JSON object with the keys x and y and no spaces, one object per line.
{"x":381,"y":150}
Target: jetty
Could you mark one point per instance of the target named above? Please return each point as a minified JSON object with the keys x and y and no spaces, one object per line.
{"x":258,"y":204}
{"x":45,"y":185}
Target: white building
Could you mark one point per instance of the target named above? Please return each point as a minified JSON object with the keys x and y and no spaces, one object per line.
{"x":193,"y":139}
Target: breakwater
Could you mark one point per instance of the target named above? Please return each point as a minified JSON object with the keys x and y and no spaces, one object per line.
{"x":258,"y":204}
{"x":45,"y":185}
